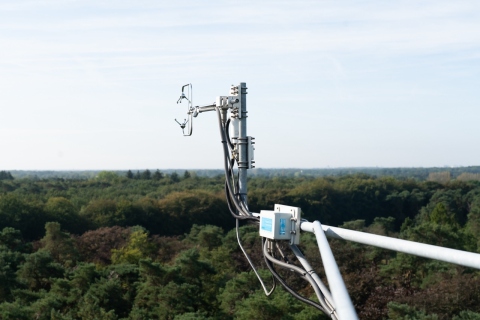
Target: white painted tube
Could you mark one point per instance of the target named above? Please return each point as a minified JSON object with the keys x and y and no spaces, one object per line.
{"x":341,"y":299}
{"x":463,"y":258}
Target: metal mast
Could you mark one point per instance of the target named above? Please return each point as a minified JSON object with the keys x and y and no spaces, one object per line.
{"x":243,"y":161}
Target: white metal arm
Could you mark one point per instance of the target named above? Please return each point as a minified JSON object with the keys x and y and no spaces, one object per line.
{"x":463,"y":258}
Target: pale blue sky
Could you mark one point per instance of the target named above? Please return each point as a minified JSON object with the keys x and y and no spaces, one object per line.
{"x":94,"y":84}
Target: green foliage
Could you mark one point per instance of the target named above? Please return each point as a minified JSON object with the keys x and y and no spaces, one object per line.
{"x":163,"y":247}
{"x":63,"y":211}
{"x":208,"y":237}
{"x":146,"y":175}
{"x":237,"y":289}
{"x":174,"y":177}
{"x":59,"y":244}
{"x":157,"y":175}
{"x":96,"y":246}
{"x":138,"y":247}
{"x":9,"y":263}
{"x":5,"y":175}
{"x":107,"y":176}
{"x":194,"y":207}
{"x":40,"y":270}
{"x":22,"y":214}
{"x":403,"y":312}
{"x":467,"y":315}
{"x":257,"y":306}
{"x":15,"y":311}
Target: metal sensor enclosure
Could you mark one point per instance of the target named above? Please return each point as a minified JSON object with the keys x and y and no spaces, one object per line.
{"x":275,"y":225}
{"x":281,"y":224}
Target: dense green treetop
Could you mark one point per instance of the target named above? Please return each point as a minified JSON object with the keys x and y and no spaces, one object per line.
{"x":117,"y":247}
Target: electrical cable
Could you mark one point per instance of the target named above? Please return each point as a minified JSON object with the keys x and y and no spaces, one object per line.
{"x":241,"y":199}
{"x":284,"y":257}
{"x":227,"y":133}
{"x":267,"y":293}
{"x":236,"y":216}
{"x":300,"y":271}
{"x":240,"y":209}
{"x":301,"y":258}
{"x":289,"y":289}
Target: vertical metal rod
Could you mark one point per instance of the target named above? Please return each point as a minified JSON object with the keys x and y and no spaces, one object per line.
{"x":341,"y":298}
{"x":242,"y":143}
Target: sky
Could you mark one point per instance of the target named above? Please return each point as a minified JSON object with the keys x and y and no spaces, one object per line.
{"x":93,"y":85}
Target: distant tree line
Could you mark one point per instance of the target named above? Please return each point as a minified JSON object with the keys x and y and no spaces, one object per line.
{"x":420,"y":173}
{"x":157,"y":175}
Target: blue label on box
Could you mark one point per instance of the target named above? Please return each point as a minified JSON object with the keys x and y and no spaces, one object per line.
{"x":283,"y":225}
{"x":266,"y":224}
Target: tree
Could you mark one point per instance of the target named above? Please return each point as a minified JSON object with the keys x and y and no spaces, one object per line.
{"x":157,"y":175}
{"x":146,"y":175}
{"x":440,"y":177}
{"x":10,"y":238}
{"x":186,"y":175}
{"x":138,"y":247}
{"x":152,"y":279}
{"x":103,"y":300}
{"x":137,"y":176}
{"x":39,"y":271}
{"x":15,"y":311}
{"x":108,"y":176}
{"x":281,"y":305}
{"x":194,"y":207}
{"x":207,"y":236}
{"x":5,"y":175}
{"x":398,"y":311}
{"x":129,"y":174}
{"x":174,"y":177}
{"x":21,"y":213}
{"x":96,"y":246}
{"x":102,"y":213}
{"x":59,"y":244}
{"x":63,"y":211}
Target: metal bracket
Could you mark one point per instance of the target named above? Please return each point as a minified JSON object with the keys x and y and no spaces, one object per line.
{"x":250,"y":150}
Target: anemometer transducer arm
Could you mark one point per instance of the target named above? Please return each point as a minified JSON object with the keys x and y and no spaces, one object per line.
{"x":239,"y":150}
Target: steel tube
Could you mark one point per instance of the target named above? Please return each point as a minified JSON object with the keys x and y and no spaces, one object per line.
{"x":463,"y":258}
{"x":242,"y":137}
{"x":211,"y":107}
{"x":341,"y":299}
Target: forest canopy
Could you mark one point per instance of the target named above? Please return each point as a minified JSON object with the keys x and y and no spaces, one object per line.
{"x":161,"y":245}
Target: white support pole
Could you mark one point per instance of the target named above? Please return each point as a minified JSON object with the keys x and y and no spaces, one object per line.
{"x":463,"y":258}
{"x":341,"y":299}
